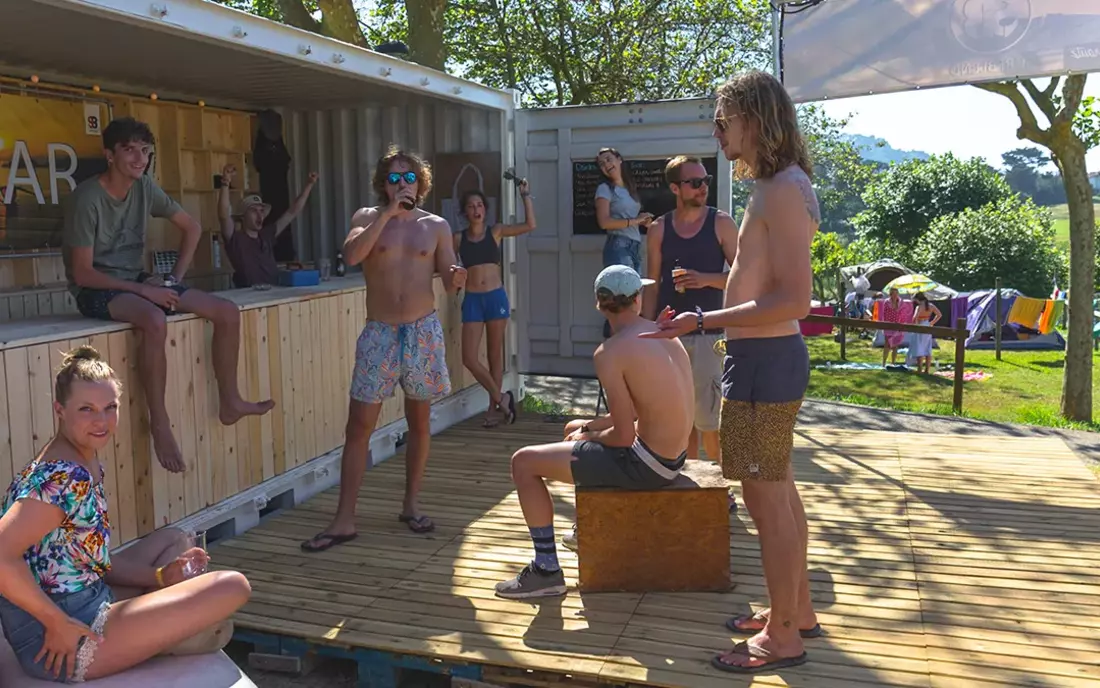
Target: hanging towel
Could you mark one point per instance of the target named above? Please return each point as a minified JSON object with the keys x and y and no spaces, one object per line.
{"x":1026,"y":311}
{"x":1051,"y":314}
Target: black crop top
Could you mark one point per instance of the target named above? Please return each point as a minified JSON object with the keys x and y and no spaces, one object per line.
{"x":482,"y":252}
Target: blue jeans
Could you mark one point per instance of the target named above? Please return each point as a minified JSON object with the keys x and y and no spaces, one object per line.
{"x":26,"y":634}
{"x":619,"y":250}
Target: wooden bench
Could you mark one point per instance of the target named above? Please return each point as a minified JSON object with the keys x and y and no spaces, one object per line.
{"x":673,"y":539}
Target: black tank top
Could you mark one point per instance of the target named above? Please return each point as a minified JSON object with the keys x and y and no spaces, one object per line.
{"x":701,"y":253}
{"x":483,"y":252}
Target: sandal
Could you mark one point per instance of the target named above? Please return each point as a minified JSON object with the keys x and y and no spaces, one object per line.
{"x":750,"y":651}
{"x":311,"y":545}
{"x":737,"y":625}
{"x":510,"y":412}
{"x":417,"y":524}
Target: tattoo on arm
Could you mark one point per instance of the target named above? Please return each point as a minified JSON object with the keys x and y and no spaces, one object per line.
{"x":810,"y":198}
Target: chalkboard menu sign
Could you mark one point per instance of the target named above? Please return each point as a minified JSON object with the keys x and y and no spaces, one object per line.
{"x":649,"y":176}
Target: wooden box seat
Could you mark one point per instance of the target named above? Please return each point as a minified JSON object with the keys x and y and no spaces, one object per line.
{"x":673,"y":539}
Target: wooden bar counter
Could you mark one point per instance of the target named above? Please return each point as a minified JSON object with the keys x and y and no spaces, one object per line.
{"x":297,"y":347}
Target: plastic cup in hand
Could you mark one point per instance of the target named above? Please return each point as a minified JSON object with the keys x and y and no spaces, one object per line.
{"x":677,"y":272}
{"x":191,"y":567}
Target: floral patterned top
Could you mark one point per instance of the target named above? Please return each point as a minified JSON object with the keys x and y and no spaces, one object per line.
{"x":77,"y":554}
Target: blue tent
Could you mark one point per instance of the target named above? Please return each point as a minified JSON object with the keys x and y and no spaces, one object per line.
{"x":980,"y":313}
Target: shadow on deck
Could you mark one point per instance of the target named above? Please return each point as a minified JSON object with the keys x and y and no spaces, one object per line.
{"x":935,"y":560}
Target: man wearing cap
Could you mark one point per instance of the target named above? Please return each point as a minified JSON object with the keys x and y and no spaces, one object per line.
{"x":251,"y":251}
{"x":651,"y":400}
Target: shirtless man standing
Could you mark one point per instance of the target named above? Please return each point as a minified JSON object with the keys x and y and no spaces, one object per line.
{"x":401,"y":248}
{"x":767,"y":367}
{"x":651,"y":400}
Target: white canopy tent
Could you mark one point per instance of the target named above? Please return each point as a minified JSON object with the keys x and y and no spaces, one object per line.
{"x":843,"y":48}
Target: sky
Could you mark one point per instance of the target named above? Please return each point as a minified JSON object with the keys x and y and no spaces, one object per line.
{"x":962,"y":120}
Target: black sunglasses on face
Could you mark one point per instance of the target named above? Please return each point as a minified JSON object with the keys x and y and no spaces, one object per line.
{"x":395,"y":177}
{"x":699,"y":182}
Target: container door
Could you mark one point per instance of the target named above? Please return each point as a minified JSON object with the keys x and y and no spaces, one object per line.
{"x":559,"y":326}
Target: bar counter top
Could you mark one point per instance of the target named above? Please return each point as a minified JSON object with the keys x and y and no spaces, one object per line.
{"x":50,"y":328}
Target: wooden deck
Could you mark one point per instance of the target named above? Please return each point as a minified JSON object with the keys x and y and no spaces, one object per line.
{"x":935,"y":561}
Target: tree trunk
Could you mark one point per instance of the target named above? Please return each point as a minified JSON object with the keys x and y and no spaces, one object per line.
{"x":340,"y":21}
{"x":1077,"y":380}
{"x":426,"y":44}
{"x":295,"y":14}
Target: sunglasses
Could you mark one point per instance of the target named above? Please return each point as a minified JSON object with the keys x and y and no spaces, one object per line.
{"x":721,"y":123}
{"x":699,"y":182}
{"x":395,"y":177}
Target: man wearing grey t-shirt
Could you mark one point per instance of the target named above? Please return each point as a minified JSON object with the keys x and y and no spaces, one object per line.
{"x":106,"y":218}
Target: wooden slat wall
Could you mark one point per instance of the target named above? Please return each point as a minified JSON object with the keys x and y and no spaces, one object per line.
{"x":299,"y":353}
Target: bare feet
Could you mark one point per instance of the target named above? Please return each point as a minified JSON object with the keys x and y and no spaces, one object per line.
{"x":232,"y":411}
{"x":164,"y":444}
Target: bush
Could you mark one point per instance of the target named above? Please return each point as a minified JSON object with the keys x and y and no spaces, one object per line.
{"x":904,"y":201}
{"x":1012,"y":239}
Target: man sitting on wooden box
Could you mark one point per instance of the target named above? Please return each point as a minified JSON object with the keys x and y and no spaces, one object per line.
{"x":651,"y":399}
{"x":251,"y":251}
{"x":106,"y":218}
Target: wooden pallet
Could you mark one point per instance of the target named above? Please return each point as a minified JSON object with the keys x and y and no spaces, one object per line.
{"x":935,"y":561}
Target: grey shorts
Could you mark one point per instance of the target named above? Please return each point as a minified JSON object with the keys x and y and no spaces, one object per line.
{"x":706,"y":374}
{"x":26,"y":634}
{"x":630,"y":468}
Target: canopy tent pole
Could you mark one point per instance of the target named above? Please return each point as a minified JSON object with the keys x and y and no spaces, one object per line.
{"x":777,"y":40}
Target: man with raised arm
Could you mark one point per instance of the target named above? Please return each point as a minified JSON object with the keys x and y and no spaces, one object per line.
{"x":767,"y":368}
{"x":106,"y":218}
{"x":401,"y":248}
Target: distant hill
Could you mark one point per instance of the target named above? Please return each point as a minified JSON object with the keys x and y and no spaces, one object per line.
{"x":878,"y":150}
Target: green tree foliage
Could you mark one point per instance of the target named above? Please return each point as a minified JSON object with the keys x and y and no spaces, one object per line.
{"x":564,"y":52}
{"x":1011,"y":238}
{"x":1024,"y":174}
{"x":903,"y":202}
{"x":827,"y":256}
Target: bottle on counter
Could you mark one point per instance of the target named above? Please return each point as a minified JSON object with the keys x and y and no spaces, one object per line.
{"x":340,"y":269}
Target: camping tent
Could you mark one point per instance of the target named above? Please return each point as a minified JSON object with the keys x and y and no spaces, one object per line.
{"x":981,"y":310}
{"x":879,"y":273}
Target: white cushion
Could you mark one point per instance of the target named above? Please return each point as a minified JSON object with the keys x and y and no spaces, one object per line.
{"x":214,"y":670}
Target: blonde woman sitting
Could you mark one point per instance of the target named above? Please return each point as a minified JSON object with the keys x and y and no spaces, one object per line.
{"x":70,"y":610}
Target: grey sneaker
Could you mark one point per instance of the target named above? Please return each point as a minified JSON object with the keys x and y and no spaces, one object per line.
{"x":570,"y":541}
{"x":533,"y":582}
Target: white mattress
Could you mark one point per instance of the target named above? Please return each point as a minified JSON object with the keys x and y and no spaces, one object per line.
{"x":214,"y":670}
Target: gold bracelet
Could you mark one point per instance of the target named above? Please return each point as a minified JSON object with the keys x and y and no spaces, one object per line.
{"x":160,"y":577}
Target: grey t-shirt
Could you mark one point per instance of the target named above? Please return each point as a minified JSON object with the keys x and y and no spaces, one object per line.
{"x":623,"y":207}
{"x":114,"y":229}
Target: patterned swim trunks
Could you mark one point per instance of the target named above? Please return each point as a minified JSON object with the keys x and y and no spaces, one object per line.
{"x":763,"y":383}
{"x":412,"y":354}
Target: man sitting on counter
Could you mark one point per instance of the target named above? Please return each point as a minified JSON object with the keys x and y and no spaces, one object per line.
{"x":251,"y":251}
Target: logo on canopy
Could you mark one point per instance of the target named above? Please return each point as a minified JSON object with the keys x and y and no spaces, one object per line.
{"x":990,"y":26}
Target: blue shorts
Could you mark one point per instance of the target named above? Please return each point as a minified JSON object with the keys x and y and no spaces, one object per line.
{"x":413,"y":353}
{"x":26,"y":634}
{"x":619,"y":250}
{"x":485,"y":306}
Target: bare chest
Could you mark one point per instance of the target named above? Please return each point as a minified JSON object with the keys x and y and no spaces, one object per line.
{"x":405,"y":243}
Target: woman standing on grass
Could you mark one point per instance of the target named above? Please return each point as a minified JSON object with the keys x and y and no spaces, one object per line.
{"x":71,"y":611}
{"x":920,"y":345}
{"x":892,"y":312}
{"x":485,"y":307}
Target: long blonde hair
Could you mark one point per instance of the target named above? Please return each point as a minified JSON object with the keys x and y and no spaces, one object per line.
{"x":763,"y":103}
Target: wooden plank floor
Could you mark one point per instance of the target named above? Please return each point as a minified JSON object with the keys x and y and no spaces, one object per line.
{"x":936,"y":560}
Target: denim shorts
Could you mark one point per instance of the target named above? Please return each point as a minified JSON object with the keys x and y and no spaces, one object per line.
{"x":619,"y":250}
{"x":26,"y":634}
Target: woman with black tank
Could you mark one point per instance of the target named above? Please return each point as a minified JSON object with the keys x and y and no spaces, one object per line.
{"x":485,"y":306}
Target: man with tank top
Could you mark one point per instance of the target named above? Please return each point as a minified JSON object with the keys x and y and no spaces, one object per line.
{"x":687,"y":251}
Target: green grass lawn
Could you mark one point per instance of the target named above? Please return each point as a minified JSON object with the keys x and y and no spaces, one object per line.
{"x":1024,"y":387}
{"x":1061,"y":224}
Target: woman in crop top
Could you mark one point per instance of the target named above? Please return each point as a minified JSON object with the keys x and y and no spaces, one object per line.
{"x":619,"y":212}
{"x":485,"y":306}
{"x":71,"y":609}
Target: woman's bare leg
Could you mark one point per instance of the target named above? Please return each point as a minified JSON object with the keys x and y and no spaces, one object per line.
{"x":143,"y":627}
{"x":471,"y":343}
{"x":494,"y":331}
